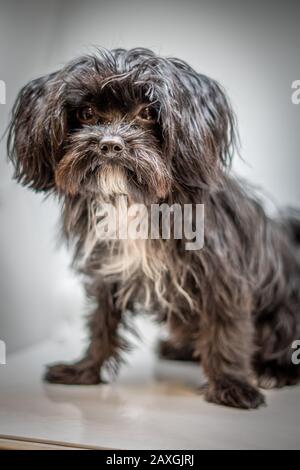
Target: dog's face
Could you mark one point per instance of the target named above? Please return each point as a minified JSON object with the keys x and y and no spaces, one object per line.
{"x":121,"y":122}
{"x":114,"y":145}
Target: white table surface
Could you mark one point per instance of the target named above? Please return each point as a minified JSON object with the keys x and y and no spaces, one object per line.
{"x":153,"y":404}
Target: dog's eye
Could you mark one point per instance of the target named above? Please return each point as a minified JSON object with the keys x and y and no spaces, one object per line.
{"x":87,"y":115}
{"x":148,"y":114}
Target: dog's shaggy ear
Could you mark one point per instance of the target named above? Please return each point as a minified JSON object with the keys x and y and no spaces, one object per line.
{"x":36,"y":132}
{"x":202,"y":128}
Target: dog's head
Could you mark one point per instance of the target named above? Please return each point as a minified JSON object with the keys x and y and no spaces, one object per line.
{"x":121,"y":122}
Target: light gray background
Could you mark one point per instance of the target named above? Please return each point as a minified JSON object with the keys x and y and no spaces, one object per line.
{"x":253,"y":50}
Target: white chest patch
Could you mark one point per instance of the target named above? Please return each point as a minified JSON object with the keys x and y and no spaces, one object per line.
{"x":129,"y":260}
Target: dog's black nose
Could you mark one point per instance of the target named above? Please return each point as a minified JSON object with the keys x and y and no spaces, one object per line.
{"x":111,"y":145}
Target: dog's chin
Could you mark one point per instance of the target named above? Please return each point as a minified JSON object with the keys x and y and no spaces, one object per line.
{"x":113,"y":180}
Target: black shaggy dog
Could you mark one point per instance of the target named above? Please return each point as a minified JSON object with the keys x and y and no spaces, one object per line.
{"x":130,"y":123}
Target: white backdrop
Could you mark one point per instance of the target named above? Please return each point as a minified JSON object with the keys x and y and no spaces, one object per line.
{"x":253,"y":50}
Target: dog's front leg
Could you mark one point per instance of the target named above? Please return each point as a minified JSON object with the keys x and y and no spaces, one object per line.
{"x":225,"y":345}
{"x":104,"y":344}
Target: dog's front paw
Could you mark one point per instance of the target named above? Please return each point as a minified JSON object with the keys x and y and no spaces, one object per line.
{"x":80,"y":373}
{"x":230,"y":391}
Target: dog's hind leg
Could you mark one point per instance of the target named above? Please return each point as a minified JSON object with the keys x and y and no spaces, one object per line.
{"x":168,"y":350}
{"x":278,"y":325}
{"x":278,"y":371}
{"x":272,"y":375}
{"x":274,"y":362}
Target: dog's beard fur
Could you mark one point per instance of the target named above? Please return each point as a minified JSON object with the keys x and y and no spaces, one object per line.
{"x":128,"y":262}
{"x":125,"y":259}
{"x":236,"y":302}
